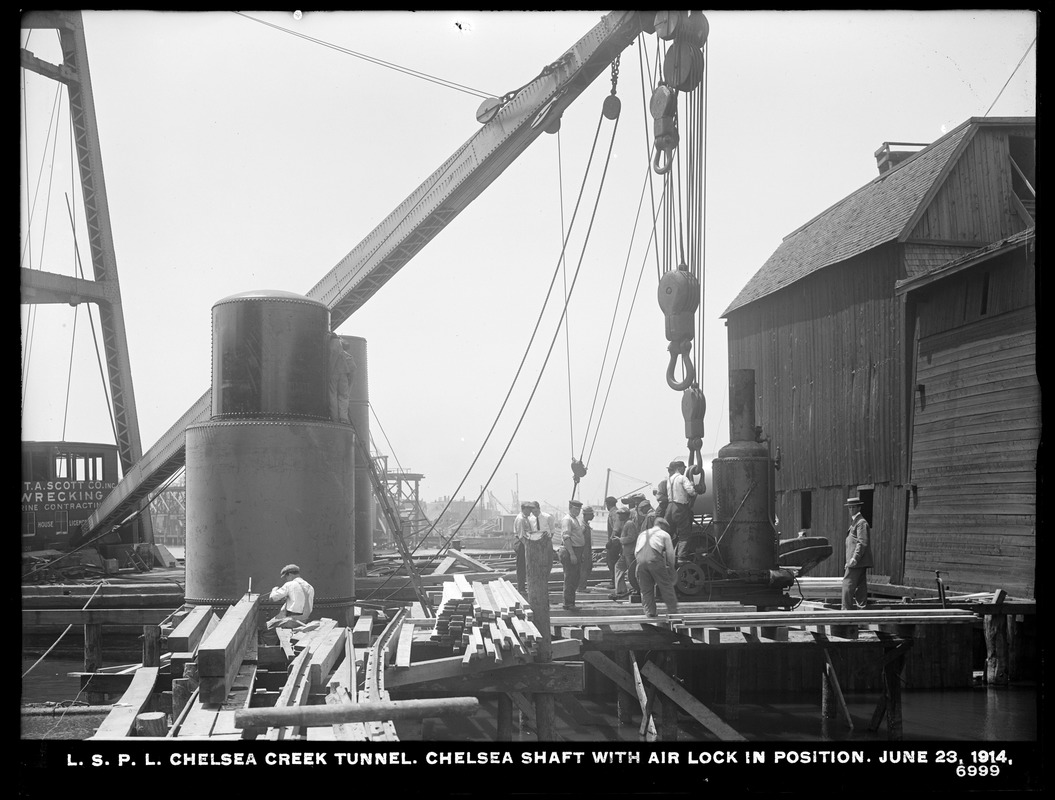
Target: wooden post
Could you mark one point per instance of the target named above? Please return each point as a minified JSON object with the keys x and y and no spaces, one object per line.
{"x":732,"y":684}
{"x":181,"y":693}
{"x":892,"y":691}
{"x":996,"y":667}
{"x":152,"y":723}
{"x":538,"y":555}
{"x":827,"y":704}
{"x":625,"y":702}
{"x":93,"y":658}
{"x":505,"y":718}
{"x":151,"y":646}
{"x":666,"y":708}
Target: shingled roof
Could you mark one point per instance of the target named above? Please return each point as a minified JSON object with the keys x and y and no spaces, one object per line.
{"x":873,"y":215}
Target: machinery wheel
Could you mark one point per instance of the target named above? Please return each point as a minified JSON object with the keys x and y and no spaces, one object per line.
{"x":690,"y":579}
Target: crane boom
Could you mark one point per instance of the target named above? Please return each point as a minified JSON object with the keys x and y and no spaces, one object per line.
{"x":413,"y":224}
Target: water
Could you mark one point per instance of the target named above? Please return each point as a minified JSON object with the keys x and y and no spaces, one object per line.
{"x":979,"y":714}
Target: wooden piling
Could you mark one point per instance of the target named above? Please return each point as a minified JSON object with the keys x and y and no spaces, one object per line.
{"x":539,"y":558}
{"x":93,"y":658}
{"x":625,"y":702}
{"x":151,"y":646}
{"x":505,"y":718}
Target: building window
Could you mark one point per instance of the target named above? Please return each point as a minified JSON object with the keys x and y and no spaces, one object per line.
{"x":806,"y":509}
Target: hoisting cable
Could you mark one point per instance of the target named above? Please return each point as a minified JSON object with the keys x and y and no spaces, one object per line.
{"x":611,"y":110}
{"x":615,"y":313}
{"x":642,"y":69}
{"x":549,"y":351}
{"x":564,"y":277}
{"x":520,"y":368}
{"x":622,"y":340}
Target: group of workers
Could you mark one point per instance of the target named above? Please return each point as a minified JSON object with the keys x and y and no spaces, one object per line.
{"x":641,"y":550}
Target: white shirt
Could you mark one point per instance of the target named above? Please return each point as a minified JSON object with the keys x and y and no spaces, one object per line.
{"x":524,"y":526}
{"x":657,"y":540}
{"x":680,"y":489}
{"x":571,"y":531}
{"x":298,"y":594}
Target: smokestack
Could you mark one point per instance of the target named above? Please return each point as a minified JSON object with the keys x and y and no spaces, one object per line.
{"x":887,"y":159}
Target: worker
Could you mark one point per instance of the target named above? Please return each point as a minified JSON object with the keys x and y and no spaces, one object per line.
{"x":858,"y":557}
{"x":654,"y":552}
{"x":646,"y":515}
{"x":681,"y":494}
{"x":625,"y":568}
{"x":571,"y":535}
{"x":613,"y":549}
{"x":543,"y":521}
{"x":297,"y":596}
{"x":586,"y":560}
{"x":342,"y":371}
{"x":523,"y":526}
{"x":662,"y":501}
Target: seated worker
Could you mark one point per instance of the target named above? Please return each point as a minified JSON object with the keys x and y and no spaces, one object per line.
{"x":298,"y":596}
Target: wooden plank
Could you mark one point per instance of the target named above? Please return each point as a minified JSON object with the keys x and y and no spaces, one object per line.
{"x":363,"y":631}
{"x":118,"y":617}
{"x":469,"y":561}
{"x":532,"y":678}
{"x":200,"y":719}
{"x":120,"y":722}
{"x":406,"y":641}
{"x":445,"y":566}
{"x":690,"y":704}
{"x":220,"y":654}
{"x":648,"y":725}
{"x":189,"y":633}
{"x":325,"y":654}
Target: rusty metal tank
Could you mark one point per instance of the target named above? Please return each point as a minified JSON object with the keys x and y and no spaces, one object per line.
{"x":744,"y":488}
{"x":270,"y":477}
{"x":359,"y":411}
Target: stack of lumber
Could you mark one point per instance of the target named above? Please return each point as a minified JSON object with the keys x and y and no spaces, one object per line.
{"x":487,"y":621}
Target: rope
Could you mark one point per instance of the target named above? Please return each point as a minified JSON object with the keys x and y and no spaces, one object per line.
{"x":69,"y":372}
{"x":633,"y":301}
{"x":373,"y":60}
{"x":553,"y":340}
{"x":564,"y":276}
{"x":520,"y":368}
{"x":98,"y":588}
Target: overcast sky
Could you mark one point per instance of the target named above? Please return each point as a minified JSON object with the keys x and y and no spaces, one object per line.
{"x":240,"y":155}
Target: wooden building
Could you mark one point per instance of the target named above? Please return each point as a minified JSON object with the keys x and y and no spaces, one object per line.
{"x":893,"y":339}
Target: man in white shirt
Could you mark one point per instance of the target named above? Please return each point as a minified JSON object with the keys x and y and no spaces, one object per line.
{"x":523,"y":526}
{"x":655,"y":558}
{"x":572,"y":539}
{"x":681,"y":494}
{"x":297,"y":596}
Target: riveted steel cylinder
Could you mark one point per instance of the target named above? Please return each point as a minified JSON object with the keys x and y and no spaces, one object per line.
{"x":265,"y":493}
{"x":359,"y":412}
{"x":269,"y":356}
{"x":743,"y":486}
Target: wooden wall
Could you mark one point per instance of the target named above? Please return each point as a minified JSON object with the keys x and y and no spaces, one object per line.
{"x":827,"y":358}
{"x":974,"y":202}
{"x":976,"y":429}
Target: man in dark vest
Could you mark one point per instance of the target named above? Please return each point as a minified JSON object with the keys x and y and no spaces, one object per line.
{"x":858,"y":557}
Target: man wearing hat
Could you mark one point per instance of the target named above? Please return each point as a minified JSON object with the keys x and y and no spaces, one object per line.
{"x":626,"y":567}
{"x":586,"y":559}
{"x":523,"y":526}
{"x":681,"y":493}
{"x":572,"y":540}
{"x":858,"y":557}
{"x":297,"y":596}
{"x":613,"y":549}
